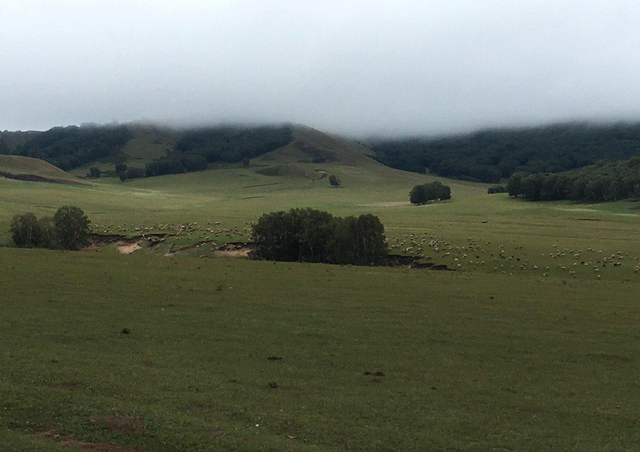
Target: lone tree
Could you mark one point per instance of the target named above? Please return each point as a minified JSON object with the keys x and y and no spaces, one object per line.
{"x":72,"y":228}
{"x":94,"y":171}
{"x":245,"y":162}
{"x":434,"y":191}
{"x":25,"y":231}
{"x":334,"y":181}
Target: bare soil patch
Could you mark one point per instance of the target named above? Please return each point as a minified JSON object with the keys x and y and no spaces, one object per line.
{"x":71,"y":441}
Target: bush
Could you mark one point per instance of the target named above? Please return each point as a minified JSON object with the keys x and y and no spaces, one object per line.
{"x":25,"y":231}
{"x":334,"y":181}
{"x":422,"y":194}
{"x":72,"y":228}
{"x":94,"y":171}
{"x":121,"y":168}
{"x":132,"y":173}
{"x":309,"y":235}
{"x":245,"y":162}
{"x":496,"y":189}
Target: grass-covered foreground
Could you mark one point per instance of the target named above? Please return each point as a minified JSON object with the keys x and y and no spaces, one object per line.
{"x":471,"y":361}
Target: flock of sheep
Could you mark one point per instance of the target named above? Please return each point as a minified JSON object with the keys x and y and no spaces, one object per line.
{"x":474,"y":255}
{"x":421,"y":246}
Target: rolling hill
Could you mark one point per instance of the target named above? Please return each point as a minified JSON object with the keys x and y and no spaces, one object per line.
{"x":31,"y":169}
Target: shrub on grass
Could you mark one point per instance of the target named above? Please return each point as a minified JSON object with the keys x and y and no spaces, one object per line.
{"x":496,"y":189}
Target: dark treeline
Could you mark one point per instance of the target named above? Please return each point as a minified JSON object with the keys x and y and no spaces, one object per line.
{"x":604,"y":181}
{"x":309,"y":235}
{"x":71,"y":147}
{"x":490,"y":155}
{"x":198,"y":147}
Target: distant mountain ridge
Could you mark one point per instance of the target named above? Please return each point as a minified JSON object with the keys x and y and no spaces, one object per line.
{"x":484,"y":156}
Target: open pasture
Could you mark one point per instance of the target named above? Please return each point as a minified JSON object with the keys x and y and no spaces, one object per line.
{"x":518,"y":349}
{"x":468,"y":361}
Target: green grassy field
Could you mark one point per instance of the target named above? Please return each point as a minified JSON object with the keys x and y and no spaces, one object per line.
{"x":470,"y":361}
{"x":525,"y":347}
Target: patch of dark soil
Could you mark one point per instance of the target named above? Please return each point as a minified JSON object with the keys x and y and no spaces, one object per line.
{"x":124,"y":424}
{"x":274,"y":358}
{"x":217,"y":433}
{"x":262,"y":185}
{"x":396,"y":260}
{"x":376,"y":374}
{"x":607,"y":357}
{"x":66,"y":385}
{"x":587,"y":219}
{"x":34,"y":178}
{"x":205,"y":407}
{"x":71,"y":441}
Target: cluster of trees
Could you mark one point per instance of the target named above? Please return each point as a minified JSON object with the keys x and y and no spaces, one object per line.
{"x":309,"y":235}
{"x":131,"y":173}
{"x":71,"y":147}
{"x":233,"y":144}
{"x":433,"y":191}
{"x":490,"y":155}
{"x":68,"y":229}
{"x":604,"y":181}
{"x":176,"y":163}
{"x":496,"y":189}
{"x":197,"y":148}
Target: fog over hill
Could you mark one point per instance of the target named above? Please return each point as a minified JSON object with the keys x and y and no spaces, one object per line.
{"x":361,"y":68}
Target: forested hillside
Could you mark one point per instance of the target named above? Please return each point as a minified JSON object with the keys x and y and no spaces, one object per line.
{"x":604,"y":181}
{"x":489,"y":155}
{"x":72,"y":147}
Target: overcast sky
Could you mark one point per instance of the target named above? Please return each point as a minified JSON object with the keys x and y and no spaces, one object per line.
{"x":356,"y":67}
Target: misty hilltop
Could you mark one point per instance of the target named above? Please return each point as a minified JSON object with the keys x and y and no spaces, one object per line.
{"x":139,"y":150}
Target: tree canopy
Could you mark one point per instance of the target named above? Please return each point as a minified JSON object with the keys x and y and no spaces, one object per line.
{"x":489,"y":155}
{"x":604,"y":181}
{"x":433,"y":191}
{"x":309,"y":235}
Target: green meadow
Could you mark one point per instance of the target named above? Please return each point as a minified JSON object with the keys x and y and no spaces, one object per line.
{"x":531,"y":343}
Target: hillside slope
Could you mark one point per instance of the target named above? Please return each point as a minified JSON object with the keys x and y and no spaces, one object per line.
{"x":31,"y":169}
